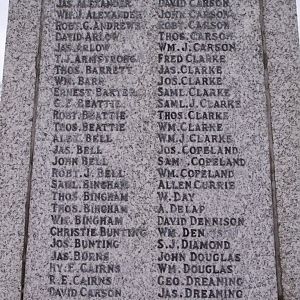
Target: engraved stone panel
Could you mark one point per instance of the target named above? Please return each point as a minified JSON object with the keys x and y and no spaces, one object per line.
{"x":152,"y":154}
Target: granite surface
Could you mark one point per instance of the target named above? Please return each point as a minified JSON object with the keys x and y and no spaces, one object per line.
{"x":16,"y":119}
{"x":282,"y":46}
{"x":150,"y":127}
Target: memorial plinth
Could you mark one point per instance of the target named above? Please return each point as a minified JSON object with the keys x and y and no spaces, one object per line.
{"x":150,"y":150}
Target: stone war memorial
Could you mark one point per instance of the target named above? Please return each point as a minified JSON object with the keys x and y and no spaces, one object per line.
{"x":150,"y":150}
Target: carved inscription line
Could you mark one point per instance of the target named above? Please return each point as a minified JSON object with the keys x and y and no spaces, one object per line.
{"x":32,"y":148}
{"x":271,"y":151}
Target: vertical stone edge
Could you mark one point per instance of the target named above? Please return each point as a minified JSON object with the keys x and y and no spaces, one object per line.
{"x":282,"y":55}
{"x":16,"y":128}
{"x":32,"y":148}
{"x":269,"y":120}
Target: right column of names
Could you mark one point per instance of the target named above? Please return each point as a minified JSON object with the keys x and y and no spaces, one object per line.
{"x":198,"y":158}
